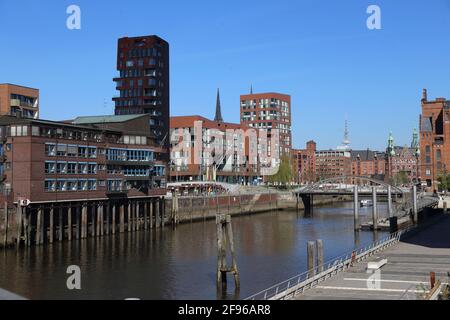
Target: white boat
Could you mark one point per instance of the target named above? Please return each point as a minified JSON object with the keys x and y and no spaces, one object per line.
{"x":365,"y":203}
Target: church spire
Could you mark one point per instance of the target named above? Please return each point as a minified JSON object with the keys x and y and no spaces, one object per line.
{"x":218,"y":116}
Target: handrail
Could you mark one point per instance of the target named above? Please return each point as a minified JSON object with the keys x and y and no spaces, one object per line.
{"x":302,"y":281}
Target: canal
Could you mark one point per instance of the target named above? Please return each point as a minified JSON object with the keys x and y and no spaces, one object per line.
{"x":181,"y":263}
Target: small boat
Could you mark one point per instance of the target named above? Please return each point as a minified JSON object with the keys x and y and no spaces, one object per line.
{"x":365,"y":203}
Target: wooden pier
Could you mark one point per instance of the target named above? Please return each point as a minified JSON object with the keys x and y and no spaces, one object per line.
{"x":41,"y":223}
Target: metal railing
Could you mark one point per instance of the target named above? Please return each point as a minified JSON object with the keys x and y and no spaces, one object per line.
{"x":308,"y":279}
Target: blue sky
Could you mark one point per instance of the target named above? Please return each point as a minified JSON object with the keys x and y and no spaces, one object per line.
{"x":320,"y":52}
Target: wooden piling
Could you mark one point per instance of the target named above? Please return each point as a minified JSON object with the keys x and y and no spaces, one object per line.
{"x":98,"y":219}
{"x":107,"y":208}
{"x":150,"y":213}
{"x":145,"y":215}
{"x":138,"y":216}
{"x":5,"y":239}
{"x":374,"y":208}
{"x":319,"y":248}
{"x":38,"y":226}
{"x":445,"y":207}
{"x":78,"y":222}
{"x":113,"y":213}
{"x":157,"y":217}
{"x":162,"y":208}
{"x":69,"y":223}
{"x":84,"y":224}
{"x":224,"y":236}
{"x":19,"y":224}
{"x":310,"y":259}
{"x":60,"y":224}
{"x":51,"y":230}
{"x":129,"y":224}
{"x":122,"y":218}
{"x":93,"y":218}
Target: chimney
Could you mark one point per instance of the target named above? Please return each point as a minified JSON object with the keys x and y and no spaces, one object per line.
{"x":424,"y":95}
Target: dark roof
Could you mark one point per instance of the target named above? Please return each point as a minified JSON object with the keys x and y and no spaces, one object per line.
{"x":366,"y":155}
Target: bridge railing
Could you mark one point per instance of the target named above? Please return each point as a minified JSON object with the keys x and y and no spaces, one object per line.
{"x":306,"y":280}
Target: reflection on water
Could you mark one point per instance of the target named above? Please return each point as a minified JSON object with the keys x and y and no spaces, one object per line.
{"x":181,"y":263}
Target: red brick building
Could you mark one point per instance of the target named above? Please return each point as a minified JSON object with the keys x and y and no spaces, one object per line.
{"x":191,"y":164}
{"x":269,"y":111}
{"x":368,"y":163}
{"x":85,"y":159}
{"x":305,"y":163}
{"x":19,"y":100}
{"x":434,"y":140}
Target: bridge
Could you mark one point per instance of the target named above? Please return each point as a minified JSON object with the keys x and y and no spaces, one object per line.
{"x":408,"y":203}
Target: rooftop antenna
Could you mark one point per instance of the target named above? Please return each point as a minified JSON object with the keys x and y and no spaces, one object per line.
{"x":346,"y":141}
{"x":251,"y":88}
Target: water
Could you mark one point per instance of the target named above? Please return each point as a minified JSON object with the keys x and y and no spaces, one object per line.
{"x":181,"y":263}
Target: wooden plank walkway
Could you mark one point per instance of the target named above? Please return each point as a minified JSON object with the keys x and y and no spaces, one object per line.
{"x":405,"y":275}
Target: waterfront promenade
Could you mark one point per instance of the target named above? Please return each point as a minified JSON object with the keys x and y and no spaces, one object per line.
{"x":406,"y":274}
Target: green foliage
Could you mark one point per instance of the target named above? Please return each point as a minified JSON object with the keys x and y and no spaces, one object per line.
{"x":400,"y":178}
{"x":444,"y":181}
{"x":284,"y":174}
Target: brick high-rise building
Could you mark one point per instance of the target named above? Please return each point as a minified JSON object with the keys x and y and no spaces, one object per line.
{"x":143,"y":82}
{"x":18,"y":100}
{"x":305,"y":162}
{"x":434,"y":139}
{"x":269,"y":111}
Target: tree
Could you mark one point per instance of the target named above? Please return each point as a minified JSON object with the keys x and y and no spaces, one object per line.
{"x":284,"y":173}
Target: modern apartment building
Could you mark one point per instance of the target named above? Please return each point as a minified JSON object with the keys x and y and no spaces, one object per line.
{"x":143,"y":82}
{"x":85,"y":159}
{"x":189,"y":151}
{"x":269,"y":111}
{"x":434,"y":140}
{"x":19,"y":100}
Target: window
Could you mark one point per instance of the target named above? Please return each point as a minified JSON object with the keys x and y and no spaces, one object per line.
{"x":82,"y":185}
{"x":92,"y":152}
{"x":71,"y":185}
{"x":49,"y":185}
{"x":82,"y":168}
{"x":61,"y":185}
{"x":35,"y":131}
{"x":92,"y":168}
{"x":92,"y":184}
{"x":427,"y":149}
{"x":50,"y":149}
{"x":72,"y":168}
{"x":438,"y":155}
{"x":50,"y":166}
{"x":61,"y":150}
{"x":61,"y":167}
{"x":82,"y":152}
{"x":72,"y":150}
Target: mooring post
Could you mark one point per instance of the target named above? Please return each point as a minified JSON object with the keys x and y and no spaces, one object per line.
{"x":233,"y":254}
{"x":445,"y":207}
{"x":374,"y":208}
{"x":310,"y":259}
{"x":319,"y":247}
{"x":356,"y":222}
{"x":415,"y":212}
